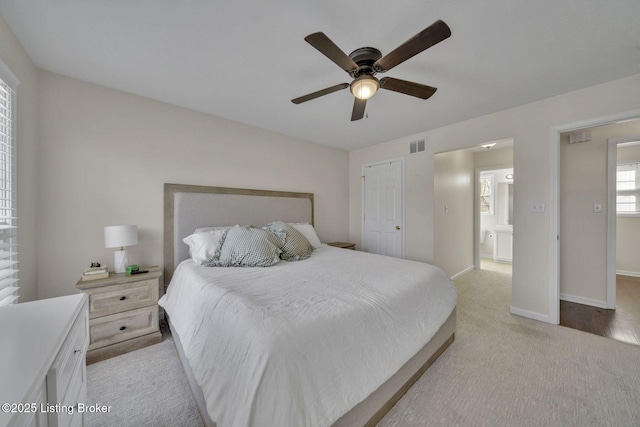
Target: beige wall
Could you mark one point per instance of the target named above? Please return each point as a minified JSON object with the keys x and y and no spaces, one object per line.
{"x":530,"y":126}
{"x":453,"y":212}
{"x":498,"y":158}
{"x":15,"y":57}
{"x":628,"y":229}
{"x":106,"y":155}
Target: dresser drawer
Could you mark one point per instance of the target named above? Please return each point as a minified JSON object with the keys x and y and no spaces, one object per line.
{"x":119,"y":327}
{"x":118,"y":298}
{"x":75,"y":394}
{"x":69,"y":359}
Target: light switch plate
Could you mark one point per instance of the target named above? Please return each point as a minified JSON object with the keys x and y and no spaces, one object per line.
{"x":537,"y":207}
{"x":597,"y":208}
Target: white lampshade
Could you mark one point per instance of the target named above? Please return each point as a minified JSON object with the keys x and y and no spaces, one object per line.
{"x":119,"y":236}
{"x":364,"y":87}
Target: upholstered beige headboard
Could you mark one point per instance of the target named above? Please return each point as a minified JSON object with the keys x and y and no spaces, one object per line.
{"x":187,"y":207}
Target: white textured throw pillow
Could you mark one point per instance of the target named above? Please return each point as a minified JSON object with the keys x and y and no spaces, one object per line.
{"x":202,"y":246}
{"x":309,"y":232}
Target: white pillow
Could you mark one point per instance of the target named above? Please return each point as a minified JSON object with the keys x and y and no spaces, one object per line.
{"x":203,"y":245}
{"x":204,"y":229}
{"x":309,"y":232}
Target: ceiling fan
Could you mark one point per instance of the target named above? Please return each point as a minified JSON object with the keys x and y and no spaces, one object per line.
{"x":364,"y":63}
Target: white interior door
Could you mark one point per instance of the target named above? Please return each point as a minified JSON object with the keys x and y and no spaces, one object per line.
{"x":383,"y":229}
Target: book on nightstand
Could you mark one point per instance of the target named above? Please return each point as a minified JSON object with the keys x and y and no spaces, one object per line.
{"x":95,"y":273}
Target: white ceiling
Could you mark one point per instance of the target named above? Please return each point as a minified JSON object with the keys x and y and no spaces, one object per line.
{"x":245,"y":60}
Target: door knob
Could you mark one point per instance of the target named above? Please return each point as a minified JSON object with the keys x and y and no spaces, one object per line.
{"x":397,"y":227}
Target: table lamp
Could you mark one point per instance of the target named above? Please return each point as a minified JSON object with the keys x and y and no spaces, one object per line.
{"x":119,"y":236}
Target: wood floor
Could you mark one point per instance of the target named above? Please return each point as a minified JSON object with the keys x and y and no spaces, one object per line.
{"x":622,"y":324}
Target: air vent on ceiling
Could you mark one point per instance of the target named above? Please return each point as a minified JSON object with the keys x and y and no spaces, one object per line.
{"x":417,"y":146}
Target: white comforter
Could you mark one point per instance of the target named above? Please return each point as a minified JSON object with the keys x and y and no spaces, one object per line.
{"x":301,"y":343}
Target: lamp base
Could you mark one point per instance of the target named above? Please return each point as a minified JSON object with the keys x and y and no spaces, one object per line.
{"x":120,"y":261}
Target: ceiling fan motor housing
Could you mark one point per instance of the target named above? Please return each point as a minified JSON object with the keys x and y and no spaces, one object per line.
{"x":365,"y":57}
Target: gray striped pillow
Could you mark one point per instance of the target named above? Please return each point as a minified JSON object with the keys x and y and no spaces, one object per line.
{"x":247,"y":247}
{"x":295,"y":246}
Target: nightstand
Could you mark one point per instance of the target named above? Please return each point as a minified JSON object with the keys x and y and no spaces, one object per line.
{"x":343,"y":245}
{"x":123,"y":313}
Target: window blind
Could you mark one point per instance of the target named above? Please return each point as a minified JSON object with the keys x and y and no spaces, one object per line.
{"x":628,"y":189}
{"x":8,"y":217}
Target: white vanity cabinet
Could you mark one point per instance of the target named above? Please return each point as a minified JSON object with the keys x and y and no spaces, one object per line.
{"x":42,"y":363}
{"x":503,"y":246}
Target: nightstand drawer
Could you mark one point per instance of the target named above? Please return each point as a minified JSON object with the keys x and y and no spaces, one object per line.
{"x":119,"y":327}
{"x":116,"y":299}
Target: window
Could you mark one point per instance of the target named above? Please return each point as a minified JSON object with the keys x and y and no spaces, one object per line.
{"x":628,"y":189}
{"x":8,"y":220}
{"x":486,"y":194}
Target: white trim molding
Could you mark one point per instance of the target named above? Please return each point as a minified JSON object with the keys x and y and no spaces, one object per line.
{"x":583,"y":300}
{"x":8,"y":76}
{"x":463,"y":272}
{"x":628,"y":273}
{"x":530,"y":314}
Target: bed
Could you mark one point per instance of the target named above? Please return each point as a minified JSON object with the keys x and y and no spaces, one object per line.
{"x":332,"y":340}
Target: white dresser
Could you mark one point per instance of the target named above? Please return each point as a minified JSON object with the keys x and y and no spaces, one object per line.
{"x":43,"y":374}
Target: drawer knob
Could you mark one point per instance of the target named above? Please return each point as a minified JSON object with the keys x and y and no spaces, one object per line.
{"x":77,"y":351}
{"x":123,"y":298}
{"x":122,"y":328}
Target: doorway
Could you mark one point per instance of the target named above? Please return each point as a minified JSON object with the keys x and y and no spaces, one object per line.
{"x":494,"y":216}
{"x":456,"y":211}
{"x":599,"y":270}
{"x":554,"y":205}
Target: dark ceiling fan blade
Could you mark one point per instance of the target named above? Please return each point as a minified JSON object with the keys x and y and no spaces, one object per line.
{"x":358,"y":109}
{"x":408,"y":88}
{"x":426,"y":38}
{"x":329,"y":49}
{"x":320,"y":93}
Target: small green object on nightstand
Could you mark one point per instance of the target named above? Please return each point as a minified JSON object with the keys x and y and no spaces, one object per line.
{"x":132,"y":268}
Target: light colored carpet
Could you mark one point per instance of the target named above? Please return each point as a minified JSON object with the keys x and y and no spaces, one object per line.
{"x":502,"y":370}
{"x":146,"y":387}
{"x":505,"y":370}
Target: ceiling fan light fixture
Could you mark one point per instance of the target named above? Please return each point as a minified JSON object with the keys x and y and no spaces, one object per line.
{"x":364,"y":87}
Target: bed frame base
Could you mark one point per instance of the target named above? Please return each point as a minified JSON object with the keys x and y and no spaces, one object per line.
{"x":371,"y":410}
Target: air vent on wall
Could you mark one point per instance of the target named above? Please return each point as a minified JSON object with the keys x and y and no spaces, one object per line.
{"x":578,"y":137}
{"x":417,"y":146}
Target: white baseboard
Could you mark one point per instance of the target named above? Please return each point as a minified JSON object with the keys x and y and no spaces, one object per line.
{"x":582,"y":300}
{"x":530,"y":314}
{"x":628,"y":273}
{"x":463,"y":272}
